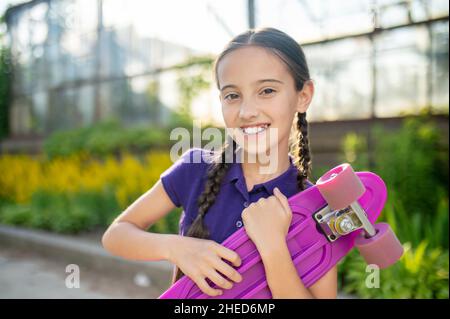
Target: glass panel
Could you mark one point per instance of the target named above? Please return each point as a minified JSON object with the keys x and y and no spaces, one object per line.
{"x":85,"y":105}
{"x":342,"y":80}
{"x":115,"y":99}
{"x":39,"y":112}
{"x":21,"y":120}
{"x":401,"y":71}
{"x":63,"y":113}
{"x":440,"y":82}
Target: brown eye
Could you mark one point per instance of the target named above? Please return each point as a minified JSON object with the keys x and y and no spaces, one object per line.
{"x":268,"y":91}
{"x":231,"y":96}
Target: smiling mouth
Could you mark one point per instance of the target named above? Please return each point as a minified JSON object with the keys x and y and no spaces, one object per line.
{"x":253,"y":130}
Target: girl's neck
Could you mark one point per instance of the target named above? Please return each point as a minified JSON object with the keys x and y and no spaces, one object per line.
{"x":263,"y":170}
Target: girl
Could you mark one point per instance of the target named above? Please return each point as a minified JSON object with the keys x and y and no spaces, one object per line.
{"x":264,"y":81}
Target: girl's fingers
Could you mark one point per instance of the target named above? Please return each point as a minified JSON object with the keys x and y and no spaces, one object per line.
{"x":282,"y":199}
{"x":229,"y":255}
{"x":218,"y":279}
{"x":203,"y":285}
{"x":227,"y":270}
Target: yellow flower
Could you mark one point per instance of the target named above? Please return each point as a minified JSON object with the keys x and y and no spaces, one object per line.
{"x":22,"y":175}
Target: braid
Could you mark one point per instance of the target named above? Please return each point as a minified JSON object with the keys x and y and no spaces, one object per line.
{"x":215,"y":175}
{"x":303,"y":160}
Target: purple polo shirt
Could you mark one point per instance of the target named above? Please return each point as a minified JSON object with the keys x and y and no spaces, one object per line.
{"x":185,"y":180}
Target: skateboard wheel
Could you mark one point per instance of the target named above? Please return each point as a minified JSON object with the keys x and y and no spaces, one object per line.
{"x":340,"y":186}
{"x":383,"y":249}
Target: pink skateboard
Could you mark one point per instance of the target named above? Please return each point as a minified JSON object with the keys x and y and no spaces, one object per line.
{"x":328,"y":220}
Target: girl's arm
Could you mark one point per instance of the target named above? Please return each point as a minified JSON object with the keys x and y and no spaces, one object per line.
{"x":132,"y":224}
{"x":283,"y":279}
{"x":199,"y":259}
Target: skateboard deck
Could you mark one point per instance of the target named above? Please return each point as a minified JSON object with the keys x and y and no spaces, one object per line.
{"x":313,"y":247}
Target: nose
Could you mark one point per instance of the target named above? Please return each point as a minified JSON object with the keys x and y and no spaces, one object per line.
{"x":248,"y":111}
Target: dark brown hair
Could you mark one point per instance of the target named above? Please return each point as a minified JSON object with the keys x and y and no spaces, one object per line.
{"x":289,"y":51}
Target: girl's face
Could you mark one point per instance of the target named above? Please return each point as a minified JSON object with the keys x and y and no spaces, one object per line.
{"x":259,"y":99}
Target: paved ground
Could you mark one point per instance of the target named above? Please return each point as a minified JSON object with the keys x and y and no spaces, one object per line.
{"x":33,"y":265}
{"x":24,"y":275}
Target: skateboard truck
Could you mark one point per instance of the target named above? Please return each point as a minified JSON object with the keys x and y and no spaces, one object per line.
{"x":337,"y":223}
{"x":342,"y":188}
{"x":343,"y":214}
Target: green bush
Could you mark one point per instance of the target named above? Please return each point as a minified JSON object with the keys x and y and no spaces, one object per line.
{"x":168,"y":224}
{"x":105,"y":138}
{"x":421,"y":273}
{"x":413,"y":226}
{"x":15,"y":214}
{"x":62,"y":213}
{"x":413,"y":162}
{"x":110,"y":137}
{"x":73,"y":213}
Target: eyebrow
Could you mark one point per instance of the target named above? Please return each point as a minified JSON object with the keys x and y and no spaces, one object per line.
{"x":256,"y":82}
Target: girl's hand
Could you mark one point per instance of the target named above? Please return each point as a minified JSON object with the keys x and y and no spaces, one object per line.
{"x":267,"y":221}
{"x":200,"y":259}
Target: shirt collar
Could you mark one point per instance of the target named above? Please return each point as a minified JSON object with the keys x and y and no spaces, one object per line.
{"x":286,"y":182}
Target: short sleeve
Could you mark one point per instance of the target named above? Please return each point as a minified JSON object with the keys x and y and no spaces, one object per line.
{"x":176,"y":178}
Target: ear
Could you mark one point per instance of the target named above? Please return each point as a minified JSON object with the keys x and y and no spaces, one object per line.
{"x":305,"y":96}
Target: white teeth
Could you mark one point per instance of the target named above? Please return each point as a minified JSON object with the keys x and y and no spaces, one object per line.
{"x":255,"y":129}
